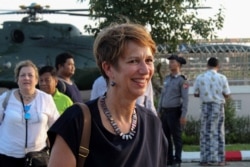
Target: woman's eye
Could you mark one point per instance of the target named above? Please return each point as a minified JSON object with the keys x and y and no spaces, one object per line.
{"x":149,"y":60}
{"x":134,"y":61}
{"x":30,"y":76}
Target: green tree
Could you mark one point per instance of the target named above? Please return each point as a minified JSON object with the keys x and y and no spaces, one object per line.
{"x":171,"y":21}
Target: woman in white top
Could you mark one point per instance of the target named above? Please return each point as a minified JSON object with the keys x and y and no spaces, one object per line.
{"x":25,"y":104}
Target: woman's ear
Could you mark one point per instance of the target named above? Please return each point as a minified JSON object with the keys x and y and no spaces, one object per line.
{"x":108,"y":69}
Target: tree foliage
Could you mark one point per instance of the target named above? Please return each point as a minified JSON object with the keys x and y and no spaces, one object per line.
{"x":170,"y":21}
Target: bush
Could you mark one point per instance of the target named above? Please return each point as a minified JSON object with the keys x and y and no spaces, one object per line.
{"x":191,"y":132}
{"x":241,"y":131}
{"x":230,"y":121}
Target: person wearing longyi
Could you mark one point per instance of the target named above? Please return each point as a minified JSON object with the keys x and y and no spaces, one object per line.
{"x":213,"y":89}
{"x":26,"y":103}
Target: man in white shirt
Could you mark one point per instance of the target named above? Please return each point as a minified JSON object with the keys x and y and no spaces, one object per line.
{"x":212,"y":88}
{"x":147,"y":100}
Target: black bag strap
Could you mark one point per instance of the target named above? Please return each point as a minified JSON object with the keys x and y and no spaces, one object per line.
{"x":7,"y":97}
{"x":84,"y":145}
{"x":26,"y":122}
{"x":61,"y":86}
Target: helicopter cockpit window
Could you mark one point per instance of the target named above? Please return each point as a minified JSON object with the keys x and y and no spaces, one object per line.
{"x":17,"y":36}
{"x":69,"y":28}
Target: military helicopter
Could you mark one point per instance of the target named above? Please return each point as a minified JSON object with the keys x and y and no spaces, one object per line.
{"x":41,"y":41}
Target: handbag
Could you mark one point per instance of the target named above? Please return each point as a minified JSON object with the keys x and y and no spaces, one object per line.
{"x":35,"y":158}
{"x":84,"y":145}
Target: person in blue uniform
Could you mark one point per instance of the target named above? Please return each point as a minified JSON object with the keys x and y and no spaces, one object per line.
{"x":172,"y":106}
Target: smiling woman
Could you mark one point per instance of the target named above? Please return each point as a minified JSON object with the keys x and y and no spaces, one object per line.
{"x":132,"y":135}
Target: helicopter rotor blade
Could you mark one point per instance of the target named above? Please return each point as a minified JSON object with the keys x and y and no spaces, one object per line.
{"x":45,"y":12}
{"x":77,"y":14}
{"x":199,"y":7}
{"x":34,"y":9}
{"x":14,"y":12}
{"x":73,"y":14}
{"x":5,"y":10}
{"x":71,"y":10}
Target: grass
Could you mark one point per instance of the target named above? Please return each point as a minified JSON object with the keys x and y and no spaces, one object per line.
{"x":231,"y":147}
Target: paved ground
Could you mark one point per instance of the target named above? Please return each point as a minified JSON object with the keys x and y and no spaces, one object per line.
{"x":231,"y":164}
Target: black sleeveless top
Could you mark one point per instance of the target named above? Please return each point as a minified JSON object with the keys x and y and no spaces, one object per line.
{"x":148,"y":148}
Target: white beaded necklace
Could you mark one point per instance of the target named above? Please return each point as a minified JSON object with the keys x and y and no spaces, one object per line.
{"x":127,"y":136}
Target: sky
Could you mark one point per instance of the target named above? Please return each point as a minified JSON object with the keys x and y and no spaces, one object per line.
{"x":235,"y":26}
{"x":236,"y":13}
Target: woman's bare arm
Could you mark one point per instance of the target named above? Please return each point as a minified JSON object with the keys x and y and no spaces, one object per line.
{"x":61,"y":155}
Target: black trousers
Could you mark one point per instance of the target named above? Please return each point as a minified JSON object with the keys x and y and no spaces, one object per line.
{"x":170,"y":118}
{"x":6,"y":161}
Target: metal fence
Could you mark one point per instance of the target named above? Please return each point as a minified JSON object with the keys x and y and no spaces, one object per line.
{"x":234,"y":61}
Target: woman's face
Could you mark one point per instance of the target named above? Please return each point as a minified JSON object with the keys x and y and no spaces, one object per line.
{"x":27,"y":78}
{"x":135,"y":69}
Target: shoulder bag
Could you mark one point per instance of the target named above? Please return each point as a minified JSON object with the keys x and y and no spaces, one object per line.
{"x":37,"y":158}
{"x":84,"y":145}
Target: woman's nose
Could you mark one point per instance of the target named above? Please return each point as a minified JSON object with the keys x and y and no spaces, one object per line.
{"x":144,"y":68}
